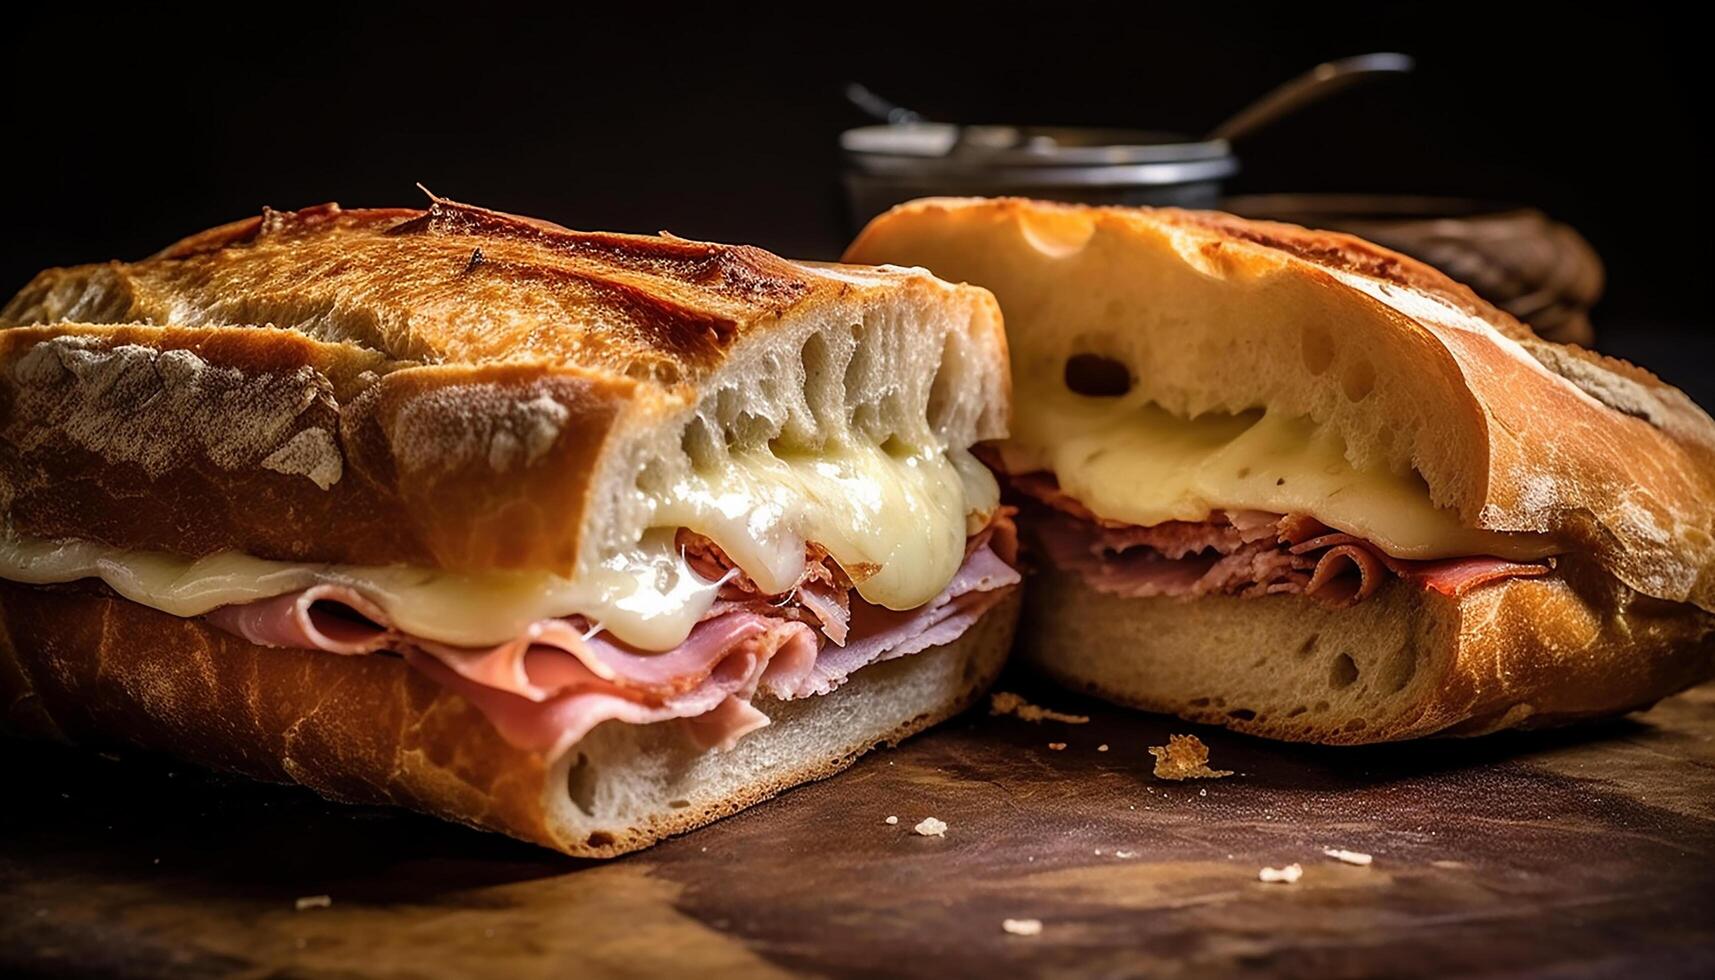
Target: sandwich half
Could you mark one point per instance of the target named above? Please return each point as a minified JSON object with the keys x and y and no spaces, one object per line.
{"x":586,"y":538}
{"x":1301,"y":486}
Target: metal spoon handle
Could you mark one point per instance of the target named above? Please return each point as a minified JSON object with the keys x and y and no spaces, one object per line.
{"x":881,"y":109}
{"x":1313,"y":86}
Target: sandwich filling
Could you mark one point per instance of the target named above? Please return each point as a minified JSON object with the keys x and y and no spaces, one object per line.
{"x":681,"y":626}
{"x":1141,"y":502}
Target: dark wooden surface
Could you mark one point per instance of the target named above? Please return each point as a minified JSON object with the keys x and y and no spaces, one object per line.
{"x":1577,"y":853}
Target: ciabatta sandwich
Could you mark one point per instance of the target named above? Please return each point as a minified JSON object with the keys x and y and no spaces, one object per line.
{"x":1298,"y":485}
{"x":586,"y":538}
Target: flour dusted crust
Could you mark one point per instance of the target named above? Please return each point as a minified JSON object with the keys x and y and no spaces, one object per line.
{"x":451,"y":387}
{"x":1217,"y":313}
{"x":369,"y":729}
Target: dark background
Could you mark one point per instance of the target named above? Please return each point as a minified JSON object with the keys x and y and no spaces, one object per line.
{"x":127,"y":129}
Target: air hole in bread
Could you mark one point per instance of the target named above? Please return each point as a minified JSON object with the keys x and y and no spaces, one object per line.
{"x":1242,"y":714}
{"x":1384,"y":437}
{"x":1295,"y":712}
{"x":858,"y":379}
{"x":820,"y":375}
{"x":700,"y":443}
{"x":1198,"y":702}
{"x":1320,"y":707}
{"x":1220,"y":702}
{"x":600,"y":838}
{"x":678,"y":804}
{"x":1096,"y":376}
{"x":866,"y":419}
{"x":1358,"y":379}
{"x":944,"y":390}
{"x":653,"y":477}
{"x":1057,"y":233}
{"x":580,"y":784}
{"x":1317,"y":348}
{"x":1308,"y":647}
{"x":1398,"y":669}
{"x":748,"y":429}
{"x":1342,"y":672}
{"x":1355,"y":725}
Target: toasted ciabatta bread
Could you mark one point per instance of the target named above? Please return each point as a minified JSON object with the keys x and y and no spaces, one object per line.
{"x":371,"y":730}
{"x":452,"y":388}
{"x":1585,"y":458}
{"x":480,"y":412}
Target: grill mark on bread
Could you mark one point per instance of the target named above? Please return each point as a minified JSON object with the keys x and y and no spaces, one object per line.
{"x":656,"y":307}
{"x":736,"y":271}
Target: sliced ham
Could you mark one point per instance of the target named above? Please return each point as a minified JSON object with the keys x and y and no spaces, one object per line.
{"x":548,"y":687}
{"x":1240,"y":553}
{"x":880,"y":634}
{"x":1457,"y":576}
{"x":334,"y":618}
{"x":821,"y":591}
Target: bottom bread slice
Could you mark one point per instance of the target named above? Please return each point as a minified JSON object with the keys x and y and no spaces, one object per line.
{"x":1404,"y":663}
{"x":368,"y":729}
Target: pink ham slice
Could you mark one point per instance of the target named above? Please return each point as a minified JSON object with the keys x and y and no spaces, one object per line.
{"x":548,"y":687}
{"x":884,"y":634}
{"x":742,"y":648}
{"x":317,"y":619}
{"x":1242,"y":553}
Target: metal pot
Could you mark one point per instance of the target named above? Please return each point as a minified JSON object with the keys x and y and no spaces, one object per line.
{"x":887,"y":165}
{"x":912,"y":157}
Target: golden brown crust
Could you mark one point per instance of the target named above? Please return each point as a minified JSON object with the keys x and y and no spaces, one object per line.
{"x":452,"y":284}
{"x":438,"y":387}
{"x":368,"y":729}
{"x":1531,"y":435}
{"x":140,"y":474}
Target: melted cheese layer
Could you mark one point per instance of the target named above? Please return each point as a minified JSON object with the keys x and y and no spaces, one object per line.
{"x":648,"y":597}
{"x":1139,"y":464}
{"x":897,"y":521}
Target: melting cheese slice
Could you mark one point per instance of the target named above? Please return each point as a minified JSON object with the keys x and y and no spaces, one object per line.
{"x":897,"y":520}
{"x":647,"y":597}
{"x":1139,"y":464}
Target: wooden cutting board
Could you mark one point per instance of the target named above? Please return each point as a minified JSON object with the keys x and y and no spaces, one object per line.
{"x":1577,"y":853}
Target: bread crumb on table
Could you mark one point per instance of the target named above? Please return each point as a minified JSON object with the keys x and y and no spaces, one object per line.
{"x":930,"y":827}
{"x":1057,"y":746}
{"x":312,"y":902}
{"x":1008,"y":703}
{"x":1022,"y":927}
{"x":1281,"y":876}
{"x":1358,"y":858}
{"x":1102,"y":747}
{"x":1184,"y":757}
{"x":890,"y":821}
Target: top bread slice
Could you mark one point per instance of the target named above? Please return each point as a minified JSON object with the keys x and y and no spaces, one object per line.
{"x":454,"y":387}
{"x":1216,"y":313}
